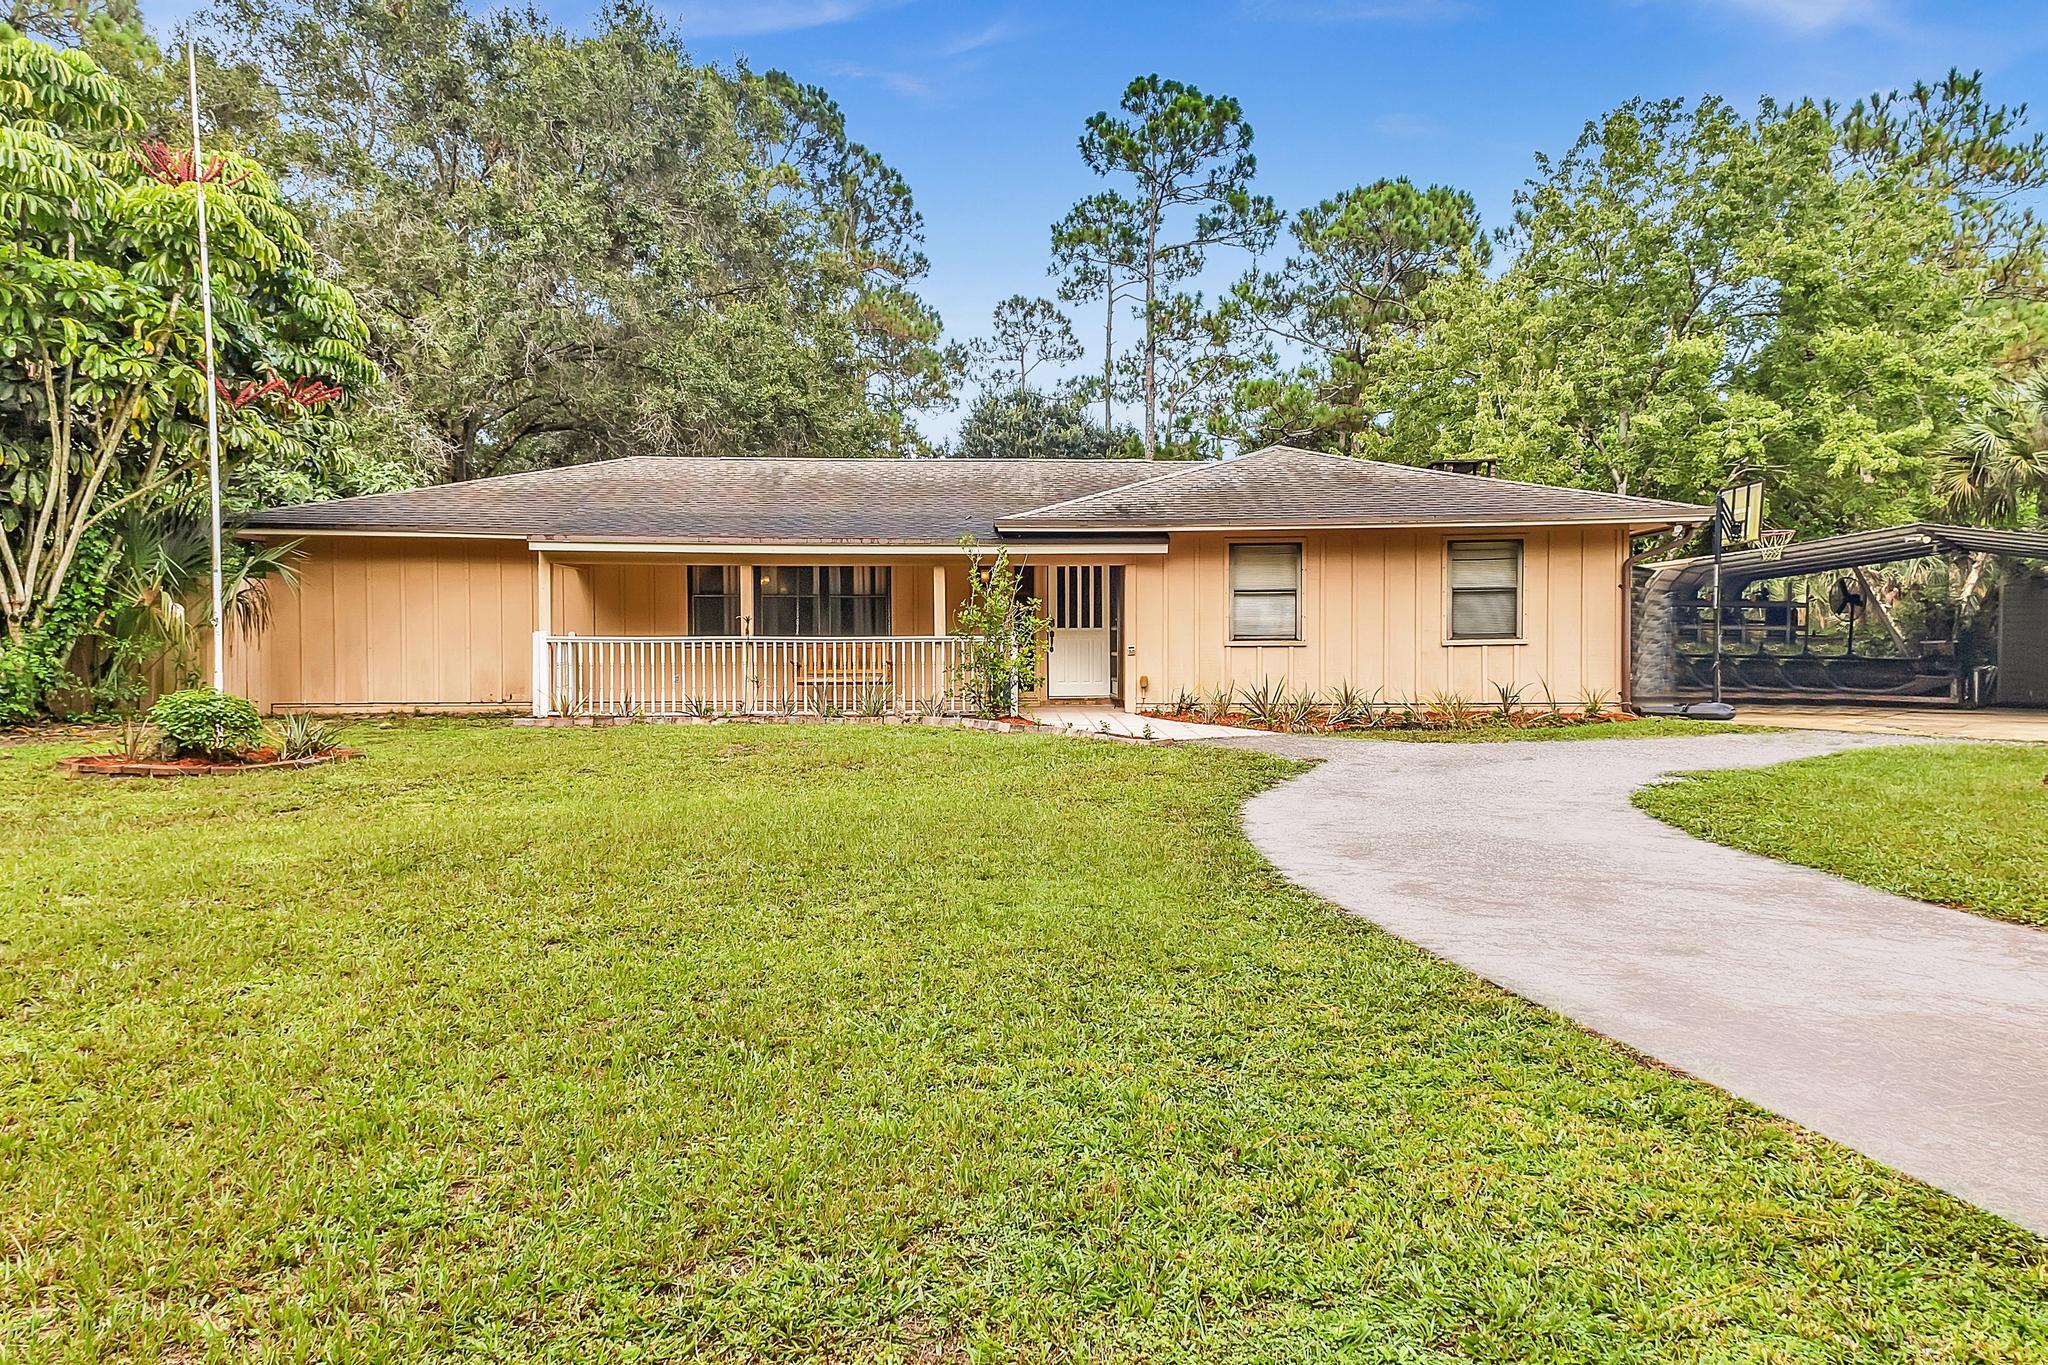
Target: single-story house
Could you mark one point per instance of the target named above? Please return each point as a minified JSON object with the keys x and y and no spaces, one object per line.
{"x":661,"y":585}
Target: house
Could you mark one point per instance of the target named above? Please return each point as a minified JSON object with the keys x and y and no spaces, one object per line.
{"x":653,"y":585}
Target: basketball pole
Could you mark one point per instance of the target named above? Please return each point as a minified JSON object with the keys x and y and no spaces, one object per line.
{"x":220,"y":625}
{"x":1720,"y":535}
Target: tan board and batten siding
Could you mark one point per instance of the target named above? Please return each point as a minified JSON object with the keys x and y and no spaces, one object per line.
{"x":403,"y":623}
{"x":397,"y":623}
{"x":1373,"y":616}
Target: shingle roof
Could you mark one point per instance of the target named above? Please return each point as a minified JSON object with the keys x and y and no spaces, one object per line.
{"x":936,"y":502}
{"x":1284,"y":488}
{"x":738,"y":500}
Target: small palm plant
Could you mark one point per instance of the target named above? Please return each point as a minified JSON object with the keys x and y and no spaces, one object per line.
{"x":1266,"y":703}
{"x":873,"y":701}
{"x":1995,"y":469}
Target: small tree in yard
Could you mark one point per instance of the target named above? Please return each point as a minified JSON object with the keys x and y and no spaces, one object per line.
{"x":102,"y":385}
{"x":1003,"y":634}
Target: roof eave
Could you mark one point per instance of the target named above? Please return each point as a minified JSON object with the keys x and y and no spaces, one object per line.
{"x":1646,"y":522}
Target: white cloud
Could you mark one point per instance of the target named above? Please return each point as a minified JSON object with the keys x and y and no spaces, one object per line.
{"x":1353,"y":11}
{"x":900,"y":82}
{"x":747,"y":18}
{"x":988,"y":35}
{"x":1815,"y":16}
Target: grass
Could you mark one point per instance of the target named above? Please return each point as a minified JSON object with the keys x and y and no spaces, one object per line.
{"x":1961,"y":825}
{"x":854,"y":1044}
{"x":1642,"y":727}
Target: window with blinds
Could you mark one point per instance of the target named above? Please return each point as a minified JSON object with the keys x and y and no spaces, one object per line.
{"x":834,"y":600}
{"x":714,"y":599}
{"x":1486,"y":589}
{"x":1265,"y":592}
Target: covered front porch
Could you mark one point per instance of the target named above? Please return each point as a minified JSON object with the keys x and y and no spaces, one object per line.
{"x":650,"y":630}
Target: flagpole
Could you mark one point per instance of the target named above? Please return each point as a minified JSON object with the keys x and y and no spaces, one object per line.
{"x":212,"y":412}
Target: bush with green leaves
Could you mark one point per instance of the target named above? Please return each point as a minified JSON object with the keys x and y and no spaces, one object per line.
{"x":208,"y":723}
{"x":302,"y":736}
{"x":1002,"y":632}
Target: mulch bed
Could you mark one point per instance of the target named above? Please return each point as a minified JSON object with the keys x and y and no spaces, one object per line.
{"x":255,"y":761}
{"x":1425,"y":724}
{"x":1003,"y":724}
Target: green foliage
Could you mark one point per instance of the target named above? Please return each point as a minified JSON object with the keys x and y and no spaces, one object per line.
{"x":1995,"y":469}
{"x":1695,"y":292}
{"x":1004,"y":634}
{"x":1363,"y":266}
{"x":1187,"y":157}
{"x":579,"y":244}
{"x":1007,"y":424}
{"x":1028,"y":333}
{"x":300,"y":735}
{"x":102,"y":390}
{"x":1098,"y":252}
{"x":202,"y":721}
{"x":1201,"y":358}
{"x":31,"y":671}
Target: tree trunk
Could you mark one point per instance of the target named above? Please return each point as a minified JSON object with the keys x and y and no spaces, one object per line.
{"x":462,"y":466}
{"x":1108,"y":343}
{"x":1151,"y":337}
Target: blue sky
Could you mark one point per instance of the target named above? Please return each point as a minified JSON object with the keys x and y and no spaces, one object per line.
{"x":980,"y":105}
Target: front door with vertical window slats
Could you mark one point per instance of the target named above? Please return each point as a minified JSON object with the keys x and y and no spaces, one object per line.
{"x":1078,"y":608}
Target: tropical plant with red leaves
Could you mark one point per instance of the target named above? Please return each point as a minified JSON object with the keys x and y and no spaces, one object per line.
{"x":102,"y":353}
{"x":303,"y":394}
{"x":168,"y":166}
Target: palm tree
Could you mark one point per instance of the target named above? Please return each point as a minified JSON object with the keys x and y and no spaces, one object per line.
{"x":1996,"y":470}
{"x":161,"y":562}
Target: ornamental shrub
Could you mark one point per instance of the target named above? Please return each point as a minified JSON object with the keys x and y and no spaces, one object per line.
{"x":203,"y":721}
{"x":1003,"y":632}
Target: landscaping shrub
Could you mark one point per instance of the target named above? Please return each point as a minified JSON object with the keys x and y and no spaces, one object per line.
{"x":301,"y":736}
{"x":1004,"y":634}
{"x":202,"y":721}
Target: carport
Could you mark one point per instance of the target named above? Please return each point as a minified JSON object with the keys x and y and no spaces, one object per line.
{"x":1811,"y":622}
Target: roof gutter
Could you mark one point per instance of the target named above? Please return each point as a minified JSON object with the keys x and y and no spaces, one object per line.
{"x":1440,"y":524}
{"x":813,"y":550}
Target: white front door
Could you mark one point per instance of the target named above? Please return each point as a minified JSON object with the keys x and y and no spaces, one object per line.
{"x":1078,"y":608}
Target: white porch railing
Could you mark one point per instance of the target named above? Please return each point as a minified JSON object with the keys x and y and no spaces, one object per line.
{"x":664,"y":675}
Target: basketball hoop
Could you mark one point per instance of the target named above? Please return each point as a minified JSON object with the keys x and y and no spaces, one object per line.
{"x":1771,"y":544}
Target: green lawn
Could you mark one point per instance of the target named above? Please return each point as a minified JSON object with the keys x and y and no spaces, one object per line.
{"x":854,"y":1044}
{"x":1963,"y":825}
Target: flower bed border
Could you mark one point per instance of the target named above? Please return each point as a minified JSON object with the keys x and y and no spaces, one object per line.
{"x":1012,"y":725}
{"x":1481,"y":720}
{"x":93,"y":765}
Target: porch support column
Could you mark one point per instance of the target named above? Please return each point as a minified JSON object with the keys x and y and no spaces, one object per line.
{"x":543,"y":626}
{"x":938,"y":599}
{"x":747,"y":572}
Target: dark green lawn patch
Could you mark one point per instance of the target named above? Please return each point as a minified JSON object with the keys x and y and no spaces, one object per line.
{"x":853,"y":1044}
{"x":1963,"y":825}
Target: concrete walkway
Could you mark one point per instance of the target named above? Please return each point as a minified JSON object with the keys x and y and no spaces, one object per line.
{"x":1916,"y":1034}
{"x":1114,"y":720}
{"x":2011,"y":724}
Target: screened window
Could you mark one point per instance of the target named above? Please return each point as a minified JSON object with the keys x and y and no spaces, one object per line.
{"x":850,"y":599}
{"x":1265,"y":592}
{"x":1486,"y":589}
{"x":714,"y":599}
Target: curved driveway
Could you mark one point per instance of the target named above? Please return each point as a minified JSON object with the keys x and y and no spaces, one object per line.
{"x":1914,"y":1033}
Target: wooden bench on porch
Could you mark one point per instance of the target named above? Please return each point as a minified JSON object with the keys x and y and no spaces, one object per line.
{"x":848,"y":665}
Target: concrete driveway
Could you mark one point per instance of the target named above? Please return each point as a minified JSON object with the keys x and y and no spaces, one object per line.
{"x":1916,"y":1034}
